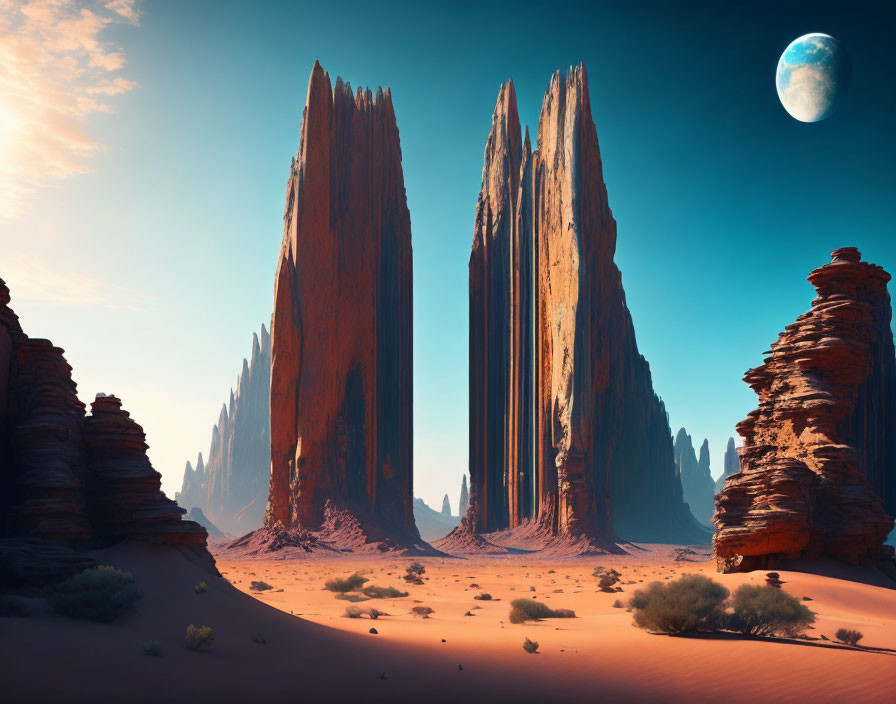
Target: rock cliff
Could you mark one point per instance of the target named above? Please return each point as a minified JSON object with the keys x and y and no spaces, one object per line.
{"x":341,"y":391}
{"x":818,"y":463}
{"x":232,"y":488}
{"x":566,"y":432}
{"x":70,"y":481}
{"x":697,"y":485}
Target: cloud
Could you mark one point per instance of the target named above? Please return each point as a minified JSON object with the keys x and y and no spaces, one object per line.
{"x":55,"y":71}
{"x":31,"y":279}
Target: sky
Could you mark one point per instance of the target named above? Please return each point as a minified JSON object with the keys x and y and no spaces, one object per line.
{"x":145,"y":148}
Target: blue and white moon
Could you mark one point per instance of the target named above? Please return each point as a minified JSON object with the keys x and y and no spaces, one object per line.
{"x":813,"y":74}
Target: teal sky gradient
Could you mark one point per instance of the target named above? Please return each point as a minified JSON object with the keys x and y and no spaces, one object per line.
{"x":724,"y":203}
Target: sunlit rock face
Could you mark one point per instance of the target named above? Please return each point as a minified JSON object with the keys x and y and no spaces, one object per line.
{"x":341,"y":374}
{"x":70,"y":480}
{"x":567,"y":436}
{"x":818,"y":465}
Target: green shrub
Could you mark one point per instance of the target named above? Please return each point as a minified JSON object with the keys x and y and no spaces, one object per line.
{"x":767,"y":611}
{"x":152,"y":648}
{"x":200,"y":588}
{"x":353,"y":611}
{"x":383,"y":592}
{"x":99,"y":594}
{"x":423,"y":611}
{"x":350,"y":584}
{"x":258,"y":638}
{"x":849,"y":636}
{"x":259,"y":586}
{"x":522,"y":610}
{"x":530,"y":646}
{"x":690,"y":603}
{"x":12,"y":607}
{"x":199,"y":638}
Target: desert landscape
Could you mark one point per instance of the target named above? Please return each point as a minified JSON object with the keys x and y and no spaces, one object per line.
{"x":378,"y":516}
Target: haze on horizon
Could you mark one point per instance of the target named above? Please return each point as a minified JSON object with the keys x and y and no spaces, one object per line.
{"x":145,"y":147}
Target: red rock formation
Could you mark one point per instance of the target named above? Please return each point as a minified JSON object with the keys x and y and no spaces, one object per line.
{"x":565,"y":429}
{"x":818,"y":452}
{"x":69,"y":481}
{"x":341,"y":394}
{"x":233,"y":487}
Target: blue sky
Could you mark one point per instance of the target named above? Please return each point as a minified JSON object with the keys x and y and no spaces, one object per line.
{"x":153,"y":269}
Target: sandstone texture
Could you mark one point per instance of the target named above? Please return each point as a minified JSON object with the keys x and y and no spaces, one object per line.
{"x":697,"y":485}
{"x":341,"y":338}
{"x":566,"y":433}
{"x":70,"y":481}
{"x":232,"y":487}
{"x":818,"y":464}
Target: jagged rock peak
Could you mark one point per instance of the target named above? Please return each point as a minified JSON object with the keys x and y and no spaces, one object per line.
{"x":818,"y":464}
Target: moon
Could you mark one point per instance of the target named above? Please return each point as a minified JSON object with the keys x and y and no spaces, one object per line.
{"x":813,"y":74}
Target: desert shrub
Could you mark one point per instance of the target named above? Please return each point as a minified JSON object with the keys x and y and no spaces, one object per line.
{"x":423,"y":611}
{"x":530,"y":646}
{"x":414,"y":572}
{"x":607,"y":580}
{"x":99,"y":594}
{"x":353,"y":598}
{"x":617,"y":604}
{"x":200,"y":588}
{"x":383,"y":592}
{"x":199,"y":638}
{"x":12,"y":607}
{"x":522,"y":610}
{"x":350,"y":584}
{"x":375,"y":613}
{"x":485,"y":596}
{"x":259,"y":586}
{"x":258,"y":638}
{"x":152,"y":648}
{"x":353,"y":611}
{"x":767,"y":611}
{"x":849,"y":636}
{"x":690,"y":603}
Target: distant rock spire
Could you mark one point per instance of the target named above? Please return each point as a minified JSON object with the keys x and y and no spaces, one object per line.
{"x":696,"y":479}
{"x":446,"y":506}
{"x":731,"y":465}
{"x":464,"y":502}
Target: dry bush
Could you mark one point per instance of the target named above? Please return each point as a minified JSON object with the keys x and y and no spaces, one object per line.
{"x":690,"y":603}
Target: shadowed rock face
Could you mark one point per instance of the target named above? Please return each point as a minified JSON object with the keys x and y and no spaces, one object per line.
{"x":70,"y":480}
{"x":697,"y":486}
{"x":818,"y":464}
{"x":341,"y":396}
{"x":565,"y":428}
{"x":732,"y":465}
{"x":232,"y":488}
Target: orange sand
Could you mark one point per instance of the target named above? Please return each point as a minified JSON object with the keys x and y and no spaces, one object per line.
{"x":317,"y":655}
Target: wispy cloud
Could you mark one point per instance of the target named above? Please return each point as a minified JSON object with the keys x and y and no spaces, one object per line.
{"x":55,"y":70}
{"x":31,"y":279}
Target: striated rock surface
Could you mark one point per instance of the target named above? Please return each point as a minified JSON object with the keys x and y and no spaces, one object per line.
{"x":566,"y":431}
{"x":70,"y":481}
{"x":732,"y":465}
{"x":818,"y":461}
{"x":341,"y":391}
{"x":697,"y":485}
{"x":232,"y":488}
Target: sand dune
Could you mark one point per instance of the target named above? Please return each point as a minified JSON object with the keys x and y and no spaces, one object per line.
{"x":317,"y":655}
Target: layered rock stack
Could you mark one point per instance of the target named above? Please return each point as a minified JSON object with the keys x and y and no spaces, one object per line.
{"x":232,"y":489}
{"x":341,"y":391}
{"x":566,"y":433}
{"x":69,"y":480}
{"x":818,"y":463}
{"x":731,"y":466}
{"x":697,"y":485}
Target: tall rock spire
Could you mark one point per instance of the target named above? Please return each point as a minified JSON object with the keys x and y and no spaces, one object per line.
{"x":341,"y":391}
{"x":566,"y":432}
{"x":464,"y":498}
{"x":731,"y":466}
{"x":818,"y":463}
